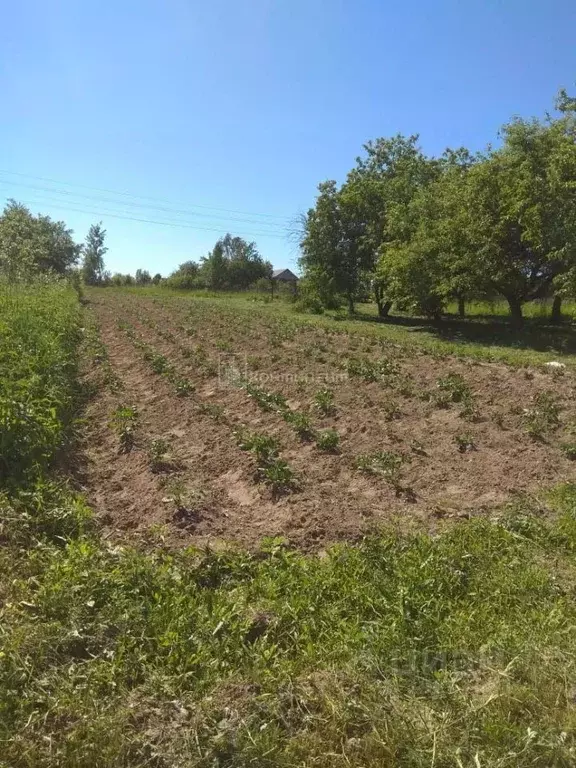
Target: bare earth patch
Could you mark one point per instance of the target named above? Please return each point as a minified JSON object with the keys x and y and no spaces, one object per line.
{"x":422,"y":440}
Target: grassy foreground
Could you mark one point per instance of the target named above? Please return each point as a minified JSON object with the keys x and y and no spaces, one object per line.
{"x":456,"y":650}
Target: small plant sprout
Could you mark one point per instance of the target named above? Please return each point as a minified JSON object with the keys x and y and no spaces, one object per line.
{"x":124,"y":420}
{"x":279,"y":476}
{"x":569,"y":450}
{"x":452,"y":388}
{"x":157,"y":454}
{"x":543,"y":417}
{"x":465,"y":442}
{"x":300,"y":423}
{"x":324,"y":401}
{"x":387,"y":464}
{"x":328,"y":440}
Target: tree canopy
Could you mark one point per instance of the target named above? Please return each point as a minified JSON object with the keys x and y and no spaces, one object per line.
{"x":34,"y":244}
{"x":425,"y":230}
{"x":94,"y":252}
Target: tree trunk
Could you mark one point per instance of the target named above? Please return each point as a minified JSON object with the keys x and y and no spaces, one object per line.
{"x":384,"y":308}
{"x":556,"y":313}
{"x":461,"y":307}
{"x":350,"y":304}
{"x":516,"y":312}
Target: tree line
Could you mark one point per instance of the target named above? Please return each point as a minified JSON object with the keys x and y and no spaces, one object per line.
{"x":35,"y":244}
{"x":419,"y":231}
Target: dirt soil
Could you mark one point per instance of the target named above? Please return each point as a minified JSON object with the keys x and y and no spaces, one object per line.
{"x":206,"y":489}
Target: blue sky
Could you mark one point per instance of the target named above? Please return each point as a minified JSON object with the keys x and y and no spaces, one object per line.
{"x":196,"y":109}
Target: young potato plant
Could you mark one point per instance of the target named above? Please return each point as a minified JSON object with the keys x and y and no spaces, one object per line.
{"x":124,"y":421}
{"x":386,"y":464}
{"x":275,"y":472}
{"x":453,"y":388}
{"x":328,"y":440}
{"x":543,"y":417}
{"x":324,"y":402}
{"x":300,"y":423}
{"x":369,"y":370}
{"x":569,"y":450}
{"x":163,"y":367}
{"x":157,"y":454}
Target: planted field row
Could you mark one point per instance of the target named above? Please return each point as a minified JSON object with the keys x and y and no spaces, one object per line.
{"x":392,"y":435}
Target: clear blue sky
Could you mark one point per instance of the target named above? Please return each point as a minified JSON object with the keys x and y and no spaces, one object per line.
{"x":246,"y":105}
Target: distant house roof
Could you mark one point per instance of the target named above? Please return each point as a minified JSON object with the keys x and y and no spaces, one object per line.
{"x":284,"y":274}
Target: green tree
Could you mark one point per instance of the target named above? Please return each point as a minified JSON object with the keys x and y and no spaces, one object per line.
{"x":425,"y":260}
{"x":34,"y":244}
{"x":94,"y":252}
{"x":520,"y":202}
{"x":233,"y":264}
{"x":383,"y":183}
{"x":333,"y":257}
{"x":142,"y":277}
{"x":185,"y":277}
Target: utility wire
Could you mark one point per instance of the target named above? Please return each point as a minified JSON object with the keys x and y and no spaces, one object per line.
{"x":142,"y":197}
{"x":182,"y":224}
{"x":91,"y":199}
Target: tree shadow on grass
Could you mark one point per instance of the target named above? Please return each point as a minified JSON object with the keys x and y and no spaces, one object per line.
{"x":488,"y":330}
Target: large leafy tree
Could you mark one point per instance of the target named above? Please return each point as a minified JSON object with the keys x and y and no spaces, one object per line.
{"x":353,"y":229}
{"x":333,"y":256}
{"x":519,"y":205}
{"x":34,"y":244}
{"x":94,"y":252}
{"x":384,"y":183}
{"x":424,"y":261}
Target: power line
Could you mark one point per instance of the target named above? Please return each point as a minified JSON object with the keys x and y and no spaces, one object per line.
{"x":148,"y":221}
{"x":142,"y":197}
{"x":91,"y":199}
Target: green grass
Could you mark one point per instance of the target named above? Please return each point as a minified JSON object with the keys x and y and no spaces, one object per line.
{"x":413,"y":651}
